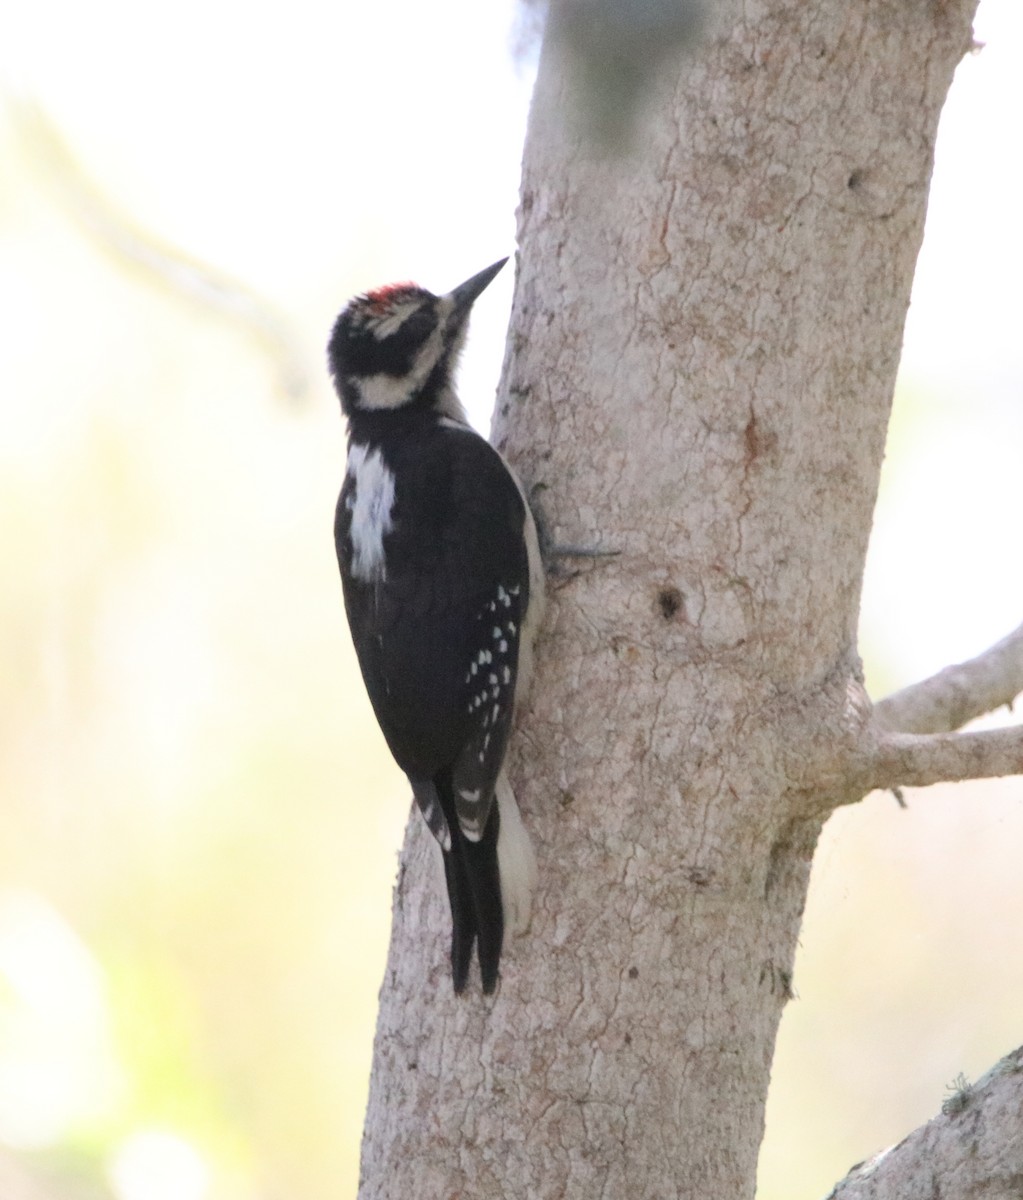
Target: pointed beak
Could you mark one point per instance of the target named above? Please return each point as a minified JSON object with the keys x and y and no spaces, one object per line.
{"x":464,"y":295}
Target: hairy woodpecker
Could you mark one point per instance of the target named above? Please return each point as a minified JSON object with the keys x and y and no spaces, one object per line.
{"x":443,"y":587}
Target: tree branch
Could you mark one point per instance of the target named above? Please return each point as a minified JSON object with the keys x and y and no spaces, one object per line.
{"x":957,"y":694}
{"x":917,"y":760}
{"x":973,"y":1148}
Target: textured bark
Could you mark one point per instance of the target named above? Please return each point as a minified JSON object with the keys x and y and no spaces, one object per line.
{"x":973,"y":1151}
{"x":700,"y":366}
{"x":959,"y":693}
{"x":909,"y":760}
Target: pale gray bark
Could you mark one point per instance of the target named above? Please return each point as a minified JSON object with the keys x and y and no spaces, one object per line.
{"x":912,"y":760}
{"x":959,"y":693}
{"x":701,"y":361}
{"x":972,"y":1150}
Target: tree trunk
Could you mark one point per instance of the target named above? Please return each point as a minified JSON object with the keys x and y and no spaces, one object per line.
{"x":703,"y":348}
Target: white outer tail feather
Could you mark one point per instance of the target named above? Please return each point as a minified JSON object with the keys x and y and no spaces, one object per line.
{"x":515,"y":860}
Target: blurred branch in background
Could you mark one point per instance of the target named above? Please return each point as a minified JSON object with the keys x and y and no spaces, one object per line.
{"x":160,"y":264}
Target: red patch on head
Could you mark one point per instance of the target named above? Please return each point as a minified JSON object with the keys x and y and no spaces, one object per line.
{"x":382,"y":298}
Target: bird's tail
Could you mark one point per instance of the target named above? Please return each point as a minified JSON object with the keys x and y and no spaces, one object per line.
{"x":474,"y":891}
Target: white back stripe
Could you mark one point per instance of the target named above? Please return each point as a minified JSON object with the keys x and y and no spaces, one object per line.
{"x":371,"y":505}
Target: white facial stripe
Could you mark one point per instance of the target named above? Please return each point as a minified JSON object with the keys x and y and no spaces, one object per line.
{"x":394,"y":320}
{"x":370,"y":507}
{"x":383,"y":391}
{"x":390,"y":391}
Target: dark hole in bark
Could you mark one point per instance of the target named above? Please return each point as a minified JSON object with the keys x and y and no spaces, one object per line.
{"x":669,"y":600}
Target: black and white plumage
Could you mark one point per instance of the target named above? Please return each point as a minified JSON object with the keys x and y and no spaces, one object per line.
{"x":443,"y":589}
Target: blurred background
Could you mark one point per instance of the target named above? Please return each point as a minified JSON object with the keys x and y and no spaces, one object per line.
{"x":198,"y":819}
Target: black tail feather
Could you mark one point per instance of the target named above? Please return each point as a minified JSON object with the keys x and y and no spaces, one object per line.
{"x":474,"y":892}
{"x":463,"y":919}
{"x":485,"y":885}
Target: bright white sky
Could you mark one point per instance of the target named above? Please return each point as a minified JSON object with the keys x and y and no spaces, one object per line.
{"x":966,"y":304}
{"x":315,"y":150}
{"x":320,"y":149}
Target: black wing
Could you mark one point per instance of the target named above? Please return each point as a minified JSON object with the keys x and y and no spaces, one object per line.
{"x":437,"y":633}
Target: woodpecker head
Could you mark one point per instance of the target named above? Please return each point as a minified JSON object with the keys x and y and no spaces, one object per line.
{"x":397,"y":346}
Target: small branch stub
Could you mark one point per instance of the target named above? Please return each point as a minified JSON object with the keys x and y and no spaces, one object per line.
{"x":912,"y":760}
